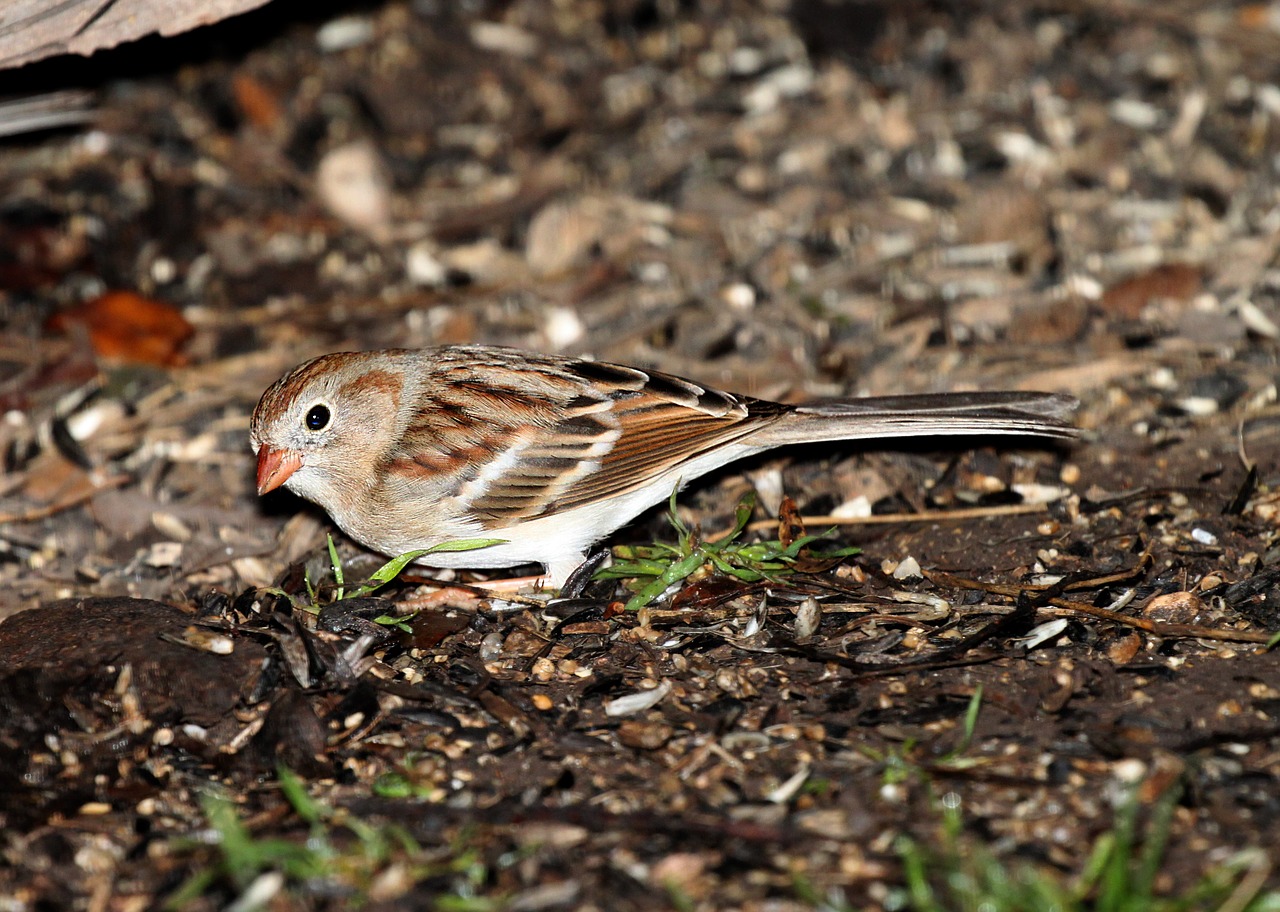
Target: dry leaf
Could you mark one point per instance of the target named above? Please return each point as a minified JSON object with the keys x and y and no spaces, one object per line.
{"x":125,"y":326}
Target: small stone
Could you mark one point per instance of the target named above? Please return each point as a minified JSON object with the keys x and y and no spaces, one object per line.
{"x":908,"y":568}
{"x":164,"y":554}
{"x":637,"y":702}
{"x":739,"y":296}
{"x":563,"y":327}
{"x":644,"y":735}
{"x":353,"y":185}
{"x":423,"y":267}
{"x":344,"y":33}
{"x":502,"y":38}
{"x":1174,"y":608}
{"x":1203,"y":536}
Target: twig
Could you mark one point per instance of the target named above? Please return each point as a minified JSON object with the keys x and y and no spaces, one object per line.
{"x":1068,"y":607}
{"x":1160,"y":628}
{"x":72,"y":500}
{"x":923,"y":516}
{"x":1066,"y":585}
{"x":497,"y":589}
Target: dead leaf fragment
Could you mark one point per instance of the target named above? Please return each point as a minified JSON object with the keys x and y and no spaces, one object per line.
{"x":568,"y":233}
{"x":258,"y":103}
{"x":643,"y":735}
{"x":1173,"y":281}
{"x":1051,"y":323}
{"x":124,"y":326}
{"x":790,"y":523}
{"x":1174,"y":608}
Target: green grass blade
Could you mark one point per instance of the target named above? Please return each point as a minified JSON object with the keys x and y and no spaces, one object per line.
{"x":464,"y":544}
{"x":741,"y":516}
{"x":295,"y":792}
{"x":673,"y":574}
{"x":394,"y":567}
{"x":336,"y":563}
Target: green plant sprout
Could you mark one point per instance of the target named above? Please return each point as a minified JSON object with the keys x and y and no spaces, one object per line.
{"x":665,"y":565}
{"x":392,"y":568}
{"x":404,"y":782}
{"x":379,"y":578}
{"x":340,"y":849}
{"x":245,"y":857}
{"x":1119,"y":875}
{"x":959,"y":873}
{"x":898,"y":765}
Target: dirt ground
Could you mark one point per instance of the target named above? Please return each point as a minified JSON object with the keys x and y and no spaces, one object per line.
{"x":792,"y":198}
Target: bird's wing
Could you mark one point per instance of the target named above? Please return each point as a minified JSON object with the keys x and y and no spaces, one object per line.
{"x":511,"y":445}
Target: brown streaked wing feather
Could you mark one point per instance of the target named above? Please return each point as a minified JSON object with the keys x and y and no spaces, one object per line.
{"x":465,"y":425}
{"x":546,"y":470}
{"x":659,"y":435}
{"x":662,"y":424}
{"x":565,"y":466}
{"x":612,"y":430}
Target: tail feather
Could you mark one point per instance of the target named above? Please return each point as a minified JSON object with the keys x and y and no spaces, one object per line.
{"x":935,"y":414}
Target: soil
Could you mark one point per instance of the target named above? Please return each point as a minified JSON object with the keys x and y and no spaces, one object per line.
{"x":792,"y":199}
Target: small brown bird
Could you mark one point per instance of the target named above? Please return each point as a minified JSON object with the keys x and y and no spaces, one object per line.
{"x":409,"y":449}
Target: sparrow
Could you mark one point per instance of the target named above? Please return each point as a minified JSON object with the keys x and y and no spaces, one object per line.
{"x":408,"y":449}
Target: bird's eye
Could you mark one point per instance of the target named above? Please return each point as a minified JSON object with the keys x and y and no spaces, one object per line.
{"x":317,"y":417}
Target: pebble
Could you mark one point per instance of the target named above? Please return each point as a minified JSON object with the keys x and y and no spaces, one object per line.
{"x":344,"y":33}
{"x":351,"y":183}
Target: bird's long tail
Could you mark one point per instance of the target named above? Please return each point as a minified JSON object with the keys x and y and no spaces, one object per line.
{"x":936,"y":414}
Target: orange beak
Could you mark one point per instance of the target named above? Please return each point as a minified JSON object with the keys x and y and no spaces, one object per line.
{"x":275,"y":467}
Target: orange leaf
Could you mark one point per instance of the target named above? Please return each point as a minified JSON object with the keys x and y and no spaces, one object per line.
{"x":257,"y":102}
{"x":1128,"y":298}
{"x":125,"y":326}
{"x":790,"y":523}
